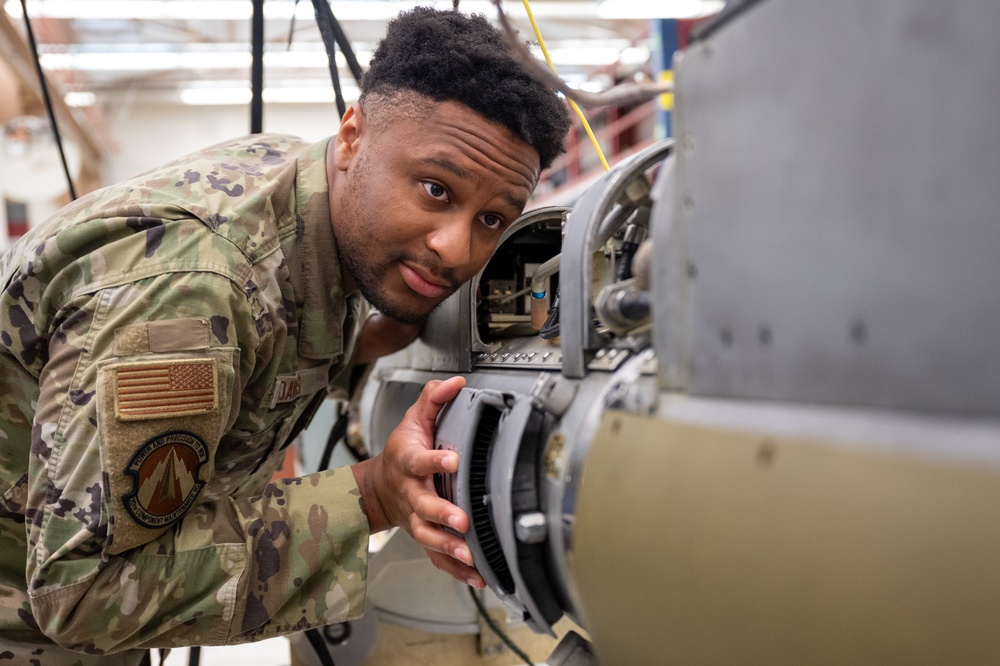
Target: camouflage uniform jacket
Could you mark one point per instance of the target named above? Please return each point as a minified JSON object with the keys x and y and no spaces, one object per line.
{"x":161,"y":341}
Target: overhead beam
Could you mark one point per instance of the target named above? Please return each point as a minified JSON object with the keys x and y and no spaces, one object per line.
{"x":17,"y":54}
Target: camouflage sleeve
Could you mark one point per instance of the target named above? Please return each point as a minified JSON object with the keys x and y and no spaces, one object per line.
{"x":111,"y":568}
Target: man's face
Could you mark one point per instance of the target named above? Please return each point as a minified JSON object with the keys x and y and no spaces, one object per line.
{"x":419,"y":203}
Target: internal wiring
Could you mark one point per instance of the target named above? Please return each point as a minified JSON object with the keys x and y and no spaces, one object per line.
{"x":507,"y":298}
{"x":497,"y":630}
{"x":573,"y":105}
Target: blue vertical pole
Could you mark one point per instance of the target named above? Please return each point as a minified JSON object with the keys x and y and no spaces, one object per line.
{"x":663,"y":42}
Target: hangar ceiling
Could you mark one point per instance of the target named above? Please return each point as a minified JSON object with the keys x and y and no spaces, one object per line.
{"x":185,"y":51}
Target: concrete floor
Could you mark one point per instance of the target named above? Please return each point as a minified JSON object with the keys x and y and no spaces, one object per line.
{"x":401,"y":646}
{"x":397,"y":646}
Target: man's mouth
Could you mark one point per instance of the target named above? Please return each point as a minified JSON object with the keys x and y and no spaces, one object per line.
{"x":417,"y":279}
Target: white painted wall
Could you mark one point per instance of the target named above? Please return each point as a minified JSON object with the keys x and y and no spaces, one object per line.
{"x":150,"y":134}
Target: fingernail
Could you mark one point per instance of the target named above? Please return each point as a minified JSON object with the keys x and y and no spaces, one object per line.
{"x":462,"y":553}
{"x":476,"y":583}
{"x":454,"y":522}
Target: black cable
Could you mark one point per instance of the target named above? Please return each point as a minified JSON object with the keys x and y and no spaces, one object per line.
{"x":325,"y":21}
{"x":257,"y":68}
{"x":454,"y":5}
{"x":48,"y":100}
{"x":336,"y":434}
{"x":625,"y":260}
{"x":346,"y":49}
{"x":731,"y":11}
{"x":194,"y":656}
{"x":497,"y":630}
{"x":550,"y":329}
{"x":319,"y":645}
{"x":291,"y":26}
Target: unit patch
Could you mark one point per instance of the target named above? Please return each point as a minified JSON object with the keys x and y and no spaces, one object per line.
{"x":165,"y":478}
{"x":165,"y":389}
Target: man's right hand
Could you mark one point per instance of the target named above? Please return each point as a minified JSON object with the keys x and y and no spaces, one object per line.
{"x":397,"y":486}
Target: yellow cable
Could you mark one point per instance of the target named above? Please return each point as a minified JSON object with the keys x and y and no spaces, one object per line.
{"x":583,"y":119}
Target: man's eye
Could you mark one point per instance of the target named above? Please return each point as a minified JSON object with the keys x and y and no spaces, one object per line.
{"x":436,"y":191}
{"x":492,"y":221}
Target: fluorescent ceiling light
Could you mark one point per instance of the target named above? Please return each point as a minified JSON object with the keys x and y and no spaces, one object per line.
{"x":144,"y":61}
{"x":652,"y":9}
{"x":199,"y":96}
{"x":133,"y":9}
{"x":285,"y":95}
{"x":81,"y":98}
{"x":348,"y":10}
{"x":575,"y":54}
{"x":309,"y":95}
{"x":594,"y":56}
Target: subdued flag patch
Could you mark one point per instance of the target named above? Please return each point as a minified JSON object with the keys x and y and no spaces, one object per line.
{"x":156,"y":390}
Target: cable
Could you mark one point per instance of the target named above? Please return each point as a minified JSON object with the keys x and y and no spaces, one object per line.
{"x":325,"y":21}
{"x":507,"y":298}
{"x":550,"y":329}
{"x":729,"y":12}
{"x":336,"y":434}
{"x":497,"y":630}
{"x":257,"y":68}
{"x":291,"y":26}
{"x":194,"y":657}
{"x":48,"y":100}
{"x":319,"y":645}
{"x":579,"y":113}
{"x":345,"y":48}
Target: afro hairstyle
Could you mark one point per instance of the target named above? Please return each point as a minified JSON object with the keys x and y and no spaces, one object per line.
{"x":449,"y":56}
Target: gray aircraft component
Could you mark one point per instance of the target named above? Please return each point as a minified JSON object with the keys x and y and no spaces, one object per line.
{"x":837,"y":200}
{"x":487,"y":430}
{"x":468,"y":425}
{"x":623,"y":187}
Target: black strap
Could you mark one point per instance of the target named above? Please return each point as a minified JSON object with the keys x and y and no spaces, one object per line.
{"x":346,"y":49}
{"x":319,"y":645}
{"x":257,"y":68}
{"x":47,"y":99}
{"x":324,"y":19}
{"x":337,"y":433}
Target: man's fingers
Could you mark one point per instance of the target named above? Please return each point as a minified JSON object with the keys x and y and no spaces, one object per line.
{"x":457,"y":570}
{"x":425,"y":462}
{"x":436,"y":394}
{"x":433,"y":509}
{"x":435,"y":539}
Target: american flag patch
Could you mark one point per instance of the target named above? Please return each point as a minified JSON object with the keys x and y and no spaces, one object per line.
{"x":165,"y":389}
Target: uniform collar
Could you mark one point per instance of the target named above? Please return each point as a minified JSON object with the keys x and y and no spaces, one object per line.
{"x":325,"y":313}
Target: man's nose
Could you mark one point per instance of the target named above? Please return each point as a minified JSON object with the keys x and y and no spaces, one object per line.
{"x":451,"y":240}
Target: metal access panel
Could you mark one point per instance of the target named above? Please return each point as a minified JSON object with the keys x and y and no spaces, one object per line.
{"x":838,"y":187}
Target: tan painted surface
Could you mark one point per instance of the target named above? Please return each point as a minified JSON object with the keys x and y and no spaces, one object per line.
{"x":703,"y":546}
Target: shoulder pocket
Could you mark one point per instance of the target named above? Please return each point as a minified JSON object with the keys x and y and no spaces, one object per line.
{"x":160,"y":419}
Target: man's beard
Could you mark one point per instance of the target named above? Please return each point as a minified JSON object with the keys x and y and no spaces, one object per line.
{"x":370,"y":285}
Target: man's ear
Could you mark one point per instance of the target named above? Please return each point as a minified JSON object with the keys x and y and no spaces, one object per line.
{"x":348,"y":139}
